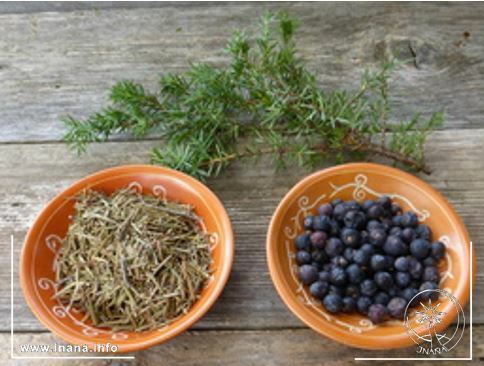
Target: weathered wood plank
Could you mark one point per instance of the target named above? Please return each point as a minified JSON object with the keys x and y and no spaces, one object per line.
{"x":28,"y":7}
{"x":33,"y":173}
{"x":54,"y":63}
{"x":271,"y":347}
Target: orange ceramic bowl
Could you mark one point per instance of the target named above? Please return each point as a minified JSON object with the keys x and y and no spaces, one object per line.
{"x":362,"y":181}
{"x":45,"y":238}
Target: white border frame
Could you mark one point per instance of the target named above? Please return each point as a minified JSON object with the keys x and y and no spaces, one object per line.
{"x":15,"y":357}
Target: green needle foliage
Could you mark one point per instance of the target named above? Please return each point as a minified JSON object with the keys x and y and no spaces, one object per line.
{"x":265,"y":101}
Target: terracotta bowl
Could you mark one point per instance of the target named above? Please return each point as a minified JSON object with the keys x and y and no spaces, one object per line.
{"x":45,"y":238}
{"x":362,"y":181}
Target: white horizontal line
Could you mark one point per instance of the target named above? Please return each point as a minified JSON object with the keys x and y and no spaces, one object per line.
{"x":70,"y":357}
{"x":413,"y":359}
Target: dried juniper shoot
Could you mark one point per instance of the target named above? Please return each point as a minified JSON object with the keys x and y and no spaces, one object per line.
{"x":132,"y":262}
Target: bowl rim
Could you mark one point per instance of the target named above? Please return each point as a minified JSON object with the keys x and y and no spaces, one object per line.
{"x":208,"y":300}
{"x":363,"y":341}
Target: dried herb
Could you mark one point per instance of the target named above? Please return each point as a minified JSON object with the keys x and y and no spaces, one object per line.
{"x":132,"y":262}
{"x":265,"y":97}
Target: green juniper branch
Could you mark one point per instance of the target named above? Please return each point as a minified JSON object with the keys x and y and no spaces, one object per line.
{"x":265,"y":96}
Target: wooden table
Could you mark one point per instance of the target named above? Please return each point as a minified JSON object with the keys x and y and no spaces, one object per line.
{"x":61,"y":58}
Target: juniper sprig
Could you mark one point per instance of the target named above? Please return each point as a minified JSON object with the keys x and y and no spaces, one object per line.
{"x":264,"y":101}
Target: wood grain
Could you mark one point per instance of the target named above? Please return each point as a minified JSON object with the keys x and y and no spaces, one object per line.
{"x":34,"y":173}
{"x":18,"y":7}
{"x":58,"y":63}
{"x":270,"y":347}
{"x":60,"y":58}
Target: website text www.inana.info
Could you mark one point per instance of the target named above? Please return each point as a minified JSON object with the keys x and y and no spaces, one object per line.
{"x":66,"y":348}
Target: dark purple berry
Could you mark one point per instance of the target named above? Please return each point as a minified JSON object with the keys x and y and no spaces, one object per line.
{"x":392,"y":292}
{"x":383,"y":280}
{"x":319,"y":256}
{"x":303,"y":257}
{"x":353,"y":205}
{"x":336,"y":202}
{"x":437,"y":250}
{"x":387,"y":224}
{"x":395,"y":246}
{"x":364,"y":236}
{"x":325,"y":209}
{"x":397,"y":220}
{"x":377,"y":237}
{"x":352,"y":291}
{"x":349,"y":304}
{"x":308,"y":222}
{"x":385,"y":202}
{"x":354,"y":273}
{"x":335,"y":229}
{"x":303,"y":242}
{"x":409,"y":219}
{"x":424,"y":232}
{"x":363,"y":303}
{"x":339,"y":211}
{"x":396,"y":230}
{"x":355,"y":220}
{"x":396,"y":307}
{"x":334,"y":247}
{"x":396,"y":209}
{"x":415,"y":284}
{"x":368,"y":248}
{"x":401,"y":264}
{"x":317,"y":265}
{"x":350,"y":237}
{"x":428,"y":293}
{"x":415,"y":268}
{"x":336,"y":290}
{"x":407,"y":235}
{"x":361,"y":257}
{"x":322,"y":223}
{"x":333,"y":303}
{"x":373,"y":224}
{"x":324,"y":276}
{"x":337,"y":276}
{"x":348,"y":254}
{"x":376,"y":313}
{"x":431,"y":274}
{"x":402,"y":279}
{"x":379,"y":262}
{"x":318,"y":239}
{"x":339,"y":261}
{"x":381,"y":298}
{"x":429,"y":262}
{"x":408,"y":293}
{"x":308,"y":274}
{"x":376,"y":211}
{"x":367,"y":204}
{"x":319,"y":289}
{"x":419,"y":248}
{"x":368,"y":287}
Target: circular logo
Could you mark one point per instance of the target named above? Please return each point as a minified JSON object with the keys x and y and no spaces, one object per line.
{"x":424,"y":313}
